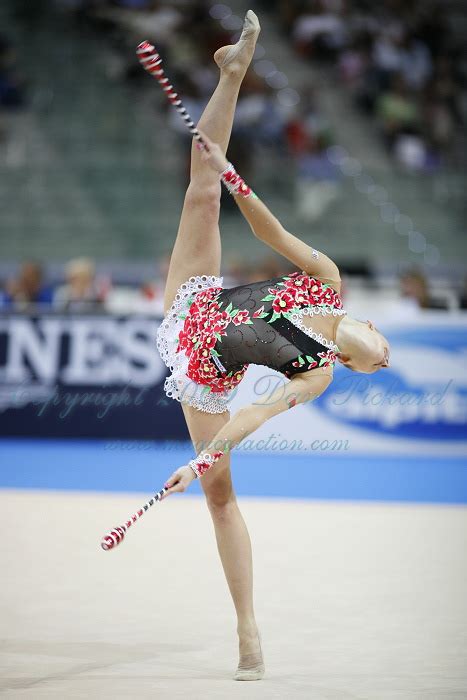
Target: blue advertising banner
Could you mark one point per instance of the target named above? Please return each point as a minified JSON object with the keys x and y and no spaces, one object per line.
{"x":424,"y":397}
{"x":416,"y":406}
{"x":100,"y":376}
{"x":84,"y":376}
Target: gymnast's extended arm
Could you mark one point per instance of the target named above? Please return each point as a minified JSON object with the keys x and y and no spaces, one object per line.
{"x":301,"y":388}
{"x":266,"y":226}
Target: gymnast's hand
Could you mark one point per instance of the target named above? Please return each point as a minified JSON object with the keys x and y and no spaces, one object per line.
{"x":211,"y":153}
{"x":179,"y":481}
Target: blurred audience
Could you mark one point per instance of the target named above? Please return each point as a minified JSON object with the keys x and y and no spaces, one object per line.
{"x":403,"y":62}
{"x":309,"y":136}
{"x":463,"y":295}
{"x":397,"y":110}
{"x":186,"y":36}
{"x":27,"y":288}
{"x":400,"y":60}
{"x":11,"y":85}
{"x":82,"y":290}
{"x":12,"y":93}
{"x":85,"y":290}
{"x":269,"y":267}
{"x":414,"y":286}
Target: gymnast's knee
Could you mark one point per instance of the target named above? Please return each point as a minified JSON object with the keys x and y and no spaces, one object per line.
{"x":204,"y":197}
{"x":221,"y":503}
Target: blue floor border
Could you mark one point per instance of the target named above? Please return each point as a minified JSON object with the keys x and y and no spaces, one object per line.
{"x":99,"y":465}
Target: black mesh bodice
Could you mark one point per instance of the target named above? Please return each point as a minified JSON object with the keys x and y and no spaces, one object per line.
{"x":276,"y":344}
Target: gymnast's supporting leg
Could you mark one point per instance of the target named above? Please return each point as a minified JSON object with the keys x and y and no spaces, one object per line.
{"x":233,"y":540}
{"x":197,"y":251}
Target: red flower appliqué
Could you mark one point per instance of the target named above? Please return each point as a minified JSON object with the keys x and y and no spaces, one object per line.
{"x":241,"y":317}
{"x":298,"y":282}
{"x":330,"y":297}
{"x":299,"y":290}
{"x":300,"y":296}
{"x":219,"y":322}
{"x":316,"y":291}
{"x":204,"y":323}
{"x":283,"y":301}
{"x":327,"y":358}
{"x":226,"y":382}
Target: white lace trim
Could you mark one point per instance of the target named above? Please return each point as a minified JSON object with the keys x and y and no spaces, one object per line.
{"x":178,"y":385}
{"x":295,"y":317}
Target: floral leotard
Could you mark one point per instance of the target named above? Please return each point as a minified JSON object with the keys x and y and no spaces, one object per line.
{"x":225,"y":330}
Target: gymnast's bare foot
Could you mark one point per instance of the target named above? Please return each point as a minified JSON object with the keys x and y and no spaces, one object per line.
{"x":235,"y":59}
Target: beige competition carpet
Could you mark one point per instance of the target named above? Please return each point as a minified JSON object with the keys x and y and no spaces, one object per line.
{"x":354,"y":600}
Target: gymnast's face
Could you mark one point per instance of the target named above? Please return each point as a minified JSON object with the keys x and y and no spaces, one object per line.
{"x":373,"y":355}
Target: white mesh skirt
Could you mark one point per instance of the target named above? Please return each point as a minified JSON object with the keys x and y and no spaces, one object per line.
{"x":178,"y":385}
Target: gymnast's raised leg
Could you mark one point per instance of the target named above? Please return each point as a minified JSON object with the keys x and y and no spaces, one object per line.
{"x":197,"y":251}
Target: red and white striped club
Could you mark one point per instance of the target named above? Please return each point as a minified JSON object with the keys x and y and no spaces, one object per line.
{"x":115,"y":536}
{"x":152,"y":62}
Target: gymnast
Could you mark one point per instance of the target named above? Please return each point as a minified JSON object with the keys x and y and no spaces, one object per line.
{"x":294,"y":324}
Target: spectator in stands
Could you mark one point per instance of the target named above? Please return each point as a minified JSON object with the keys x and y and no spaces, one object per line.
{"x":3,"y":295}
{"x":320,"y":31}
{"x":235,"y":271}
{"x":82,"y":291}
{"x":414,"y":286}
{"x":397,"y":111}
{"x":309,"y":136}
{"x":135,"y":4}
{"x":269,"y":267}
{"x":155,"y":20}
{"x":150,"y":297}
{"x":396,"y":50}
{"x":11,"y":87}
{"x":441,"y":103}
{"x":415,"y":62}
{"x":355,"y":64}
{"x":258,"y":118}
{"x":28,"y":288}
{"x":318,"y":179}
{"x":463,"y":296}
